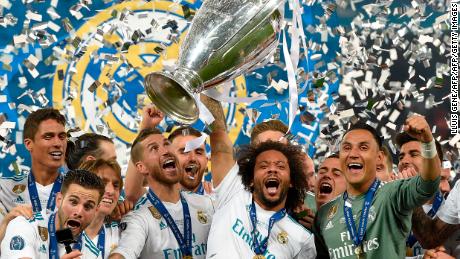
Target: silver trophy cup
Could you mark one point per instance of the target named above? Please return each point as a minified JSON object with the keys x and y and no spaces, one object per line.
{"x":226,"y":38}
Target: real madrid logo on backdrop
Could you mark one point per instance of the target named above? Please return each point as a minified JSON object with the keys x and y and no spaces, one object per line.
{"x":112,"y":53}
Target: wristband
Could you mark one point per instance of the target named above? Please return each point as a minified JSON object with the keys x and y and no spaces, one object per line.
{"x":429,"y":149}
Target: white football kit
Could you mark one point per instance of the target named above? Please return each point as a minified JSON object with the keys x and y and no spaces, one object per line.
{"x":14,"y":191}
{"x":30,"y":238}
{"x":230,"y":236}
{"x":145,"y":233}
{"x":112,"y":236}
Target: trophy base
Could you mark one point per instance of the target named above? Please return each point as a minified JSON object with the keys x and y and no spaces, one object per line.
{"x":171,"y":98}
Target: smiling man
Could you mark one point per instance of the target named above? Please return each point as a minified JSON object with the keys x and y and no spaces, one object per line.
{"x":46,"y":140}
{"x":251,"y":220}
{"x":331,"y":181}
{"x":36,"y":238}
{"x":373,"y":220}
{"x":168,"y":223}
{"x":193,"y":162}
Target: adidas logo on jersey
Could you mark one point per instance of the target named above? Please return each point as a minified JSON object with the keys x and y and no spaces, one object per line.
{"x":329,"y":225}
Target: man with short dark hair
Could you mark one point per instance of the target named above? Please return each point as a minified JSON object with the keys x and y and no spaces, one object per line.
{"x":36,"y":238}
{"x":372,"y":220}
{"x":253,"y":199}
{"x":168,"y":223}
{"x":410,"y":164}
{"x":331,"y":181}
{"x":46,"y":140}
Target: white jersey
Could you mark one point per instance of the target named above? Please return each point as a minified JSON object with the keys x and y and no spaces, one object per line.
{"x":14,"y":191}
{"x":145,"y":234}
{"x":30,"y":238}
{"x":230,"y":236}
{"x":450,"y":211}
{"x":3,"y":211}
{"x":112,"y":236}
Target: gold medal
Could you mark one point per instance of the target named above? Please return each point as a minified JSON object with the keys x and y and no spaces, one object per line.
{"x":187,"y":257}
{"x":202,"y":218}
{"x":19,"y":188}
{"x":359,"y":252}
{"x":155,"y":213}
{"x":282,"y":237}
{"x":43,"y":232}
{"x":258,"y":257}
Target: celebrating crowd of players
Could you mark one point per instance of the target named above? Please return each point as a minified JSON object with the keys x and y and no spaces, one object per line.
{"x":264,"y":200}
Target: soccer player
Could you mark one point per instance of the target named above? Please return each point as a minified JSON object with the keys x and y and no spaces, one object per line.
{"x":36,"y":238}
{"x":384,"y":171}
{"x":193,"y":162}
{"x":102,"y":232}
{"x":373,"y":220}
{"x":89,"y":146}
{"x":251,"y":220}
{"x":410,"y":163}
{"x":167,"y":223}
{"x":46,"y":140}
{"x":331,"y":181}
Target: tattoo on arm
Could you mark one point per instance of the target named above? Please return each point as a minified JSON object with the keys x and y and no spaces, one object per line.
{"x":431,"y":233}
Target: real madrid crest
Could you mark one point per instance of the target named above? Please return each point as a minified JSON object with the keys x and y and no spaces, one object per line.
{"x":202,"y":218}
{"x":19,"y":188}
{"x":155,"y":213}
{"x":43,"y":232}
{"x":332,"y":211}
{"x":282,"y":237}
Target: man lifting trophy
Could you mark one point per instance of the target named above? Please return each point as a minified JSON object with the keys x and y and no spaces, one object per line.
{"x":226,"y":38}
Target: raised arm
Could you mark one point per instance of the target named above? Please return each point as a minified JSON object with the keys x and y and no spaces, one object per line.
{"x":151,"y":117}
{"x":222,"y":159}
{"x":417,"y":127}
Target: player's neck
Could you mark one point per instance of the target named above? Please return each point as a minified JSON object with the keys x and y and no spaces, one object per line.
{"x":44,"y":175}
{"x":358,"y":189}
{"x":166,"y":192}
{"x":270,"y":208}
{"x":93,"y":229}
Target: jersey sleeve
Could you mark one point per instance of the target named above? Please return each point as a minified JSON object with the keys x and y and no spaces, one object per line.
{"x":230,"y":185}
{"x":320,"y":244}
{"x":411,"y":193}
{"x":20,"y":240}
{"x":449,"y":211}
{"x":308,"y":250}
{"x":134,"y":230}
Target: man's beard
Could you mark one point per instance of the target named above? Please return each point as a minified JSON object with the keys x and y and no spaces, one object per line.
{"x":270,"y":203}
{"x":157,"y":174}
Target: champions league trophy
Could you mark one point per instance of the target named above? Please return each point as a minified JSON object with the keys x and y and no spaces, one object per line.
{"x":226,"y":38}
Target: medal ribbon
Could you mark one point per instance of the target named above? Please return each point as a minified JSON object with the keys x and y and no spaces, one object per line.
{"x":260,"y":249}
{"x":101,"y":241}
{"x":200,"y":190}
{"x":358,"y":236}
{"x":436,"y":204}
{"x":185,"y":245}
{"x":53,"y":249}
{"x":34,"y":197}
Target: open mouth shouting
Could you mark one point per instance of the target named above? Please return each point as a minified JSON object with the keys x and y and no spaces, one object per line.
{"x":272,"y":185}
{"x":325,"y":188}
{"x":169,"y":164}
{"x":191,"y":171}
{"x":355,"y":168}
{"x":74,"y":225}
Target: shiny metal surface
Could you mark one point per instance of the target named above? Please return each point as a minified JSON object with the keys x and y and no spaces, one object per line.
{"x":226,"y":38}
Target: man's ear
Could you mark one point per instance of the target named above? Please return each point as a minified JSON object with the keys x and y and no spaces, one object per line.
{"x":28,"y":143}
{"x":90,"y":158}
{"x":380,"y":157}
{"x":59,"y":198}
{"x":141,"y":168}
